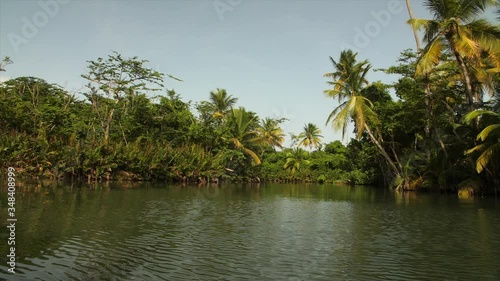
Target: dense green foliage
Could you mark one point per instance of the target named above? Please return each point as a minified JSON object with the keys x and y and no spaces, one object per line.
{"x":118,"y":130}
{"x":436,"y":127}
{"x":128,"y":135}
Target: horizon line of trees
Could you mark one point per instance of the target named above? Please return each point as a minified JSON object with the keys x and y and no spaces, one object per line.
{"x":442,"y":132}
{"x":121,"y":131}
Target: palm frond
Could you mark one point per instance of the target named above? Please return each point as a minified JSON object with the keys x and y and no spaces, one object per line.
{"x":491,"y":130}
{"x":487,"y":157}
{"x":431,"y":56}
{"x":335,"y":112}
{"x":465,"y":44}
{"x":475,"y":114}
{"x":253,"y":155}
{"x":486,"y":34}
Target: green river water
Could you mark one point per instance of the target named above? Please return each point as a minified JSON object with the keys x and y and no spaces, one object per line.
{"x":248,"y":232}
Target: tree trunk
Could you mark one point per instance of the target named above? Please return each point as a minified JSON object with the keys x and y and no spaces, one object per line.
{"x":108,"y":125}
{"x":415,"y":31}
{"x":382,"y":151}
{"x":468,"y":84}
{"x":428,"y":101}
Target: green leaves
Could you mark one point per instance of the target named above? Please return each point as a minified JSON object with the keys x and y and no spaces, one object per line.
{"x":349,"y":82}
{"x":221,"y":103}
{"x":311,"y":136}
{"x":489,"y":150}
{"x":296,"y":159}
{"x":270,"y":133}
{"x":242,"y":132}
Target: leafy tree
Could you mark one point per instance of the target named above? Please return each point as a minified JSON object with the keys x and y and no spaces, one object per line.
{"x":118,"y":80}
{"x":335,"y":147}
{"x":36,"y":107}
{"x":172,"y":117}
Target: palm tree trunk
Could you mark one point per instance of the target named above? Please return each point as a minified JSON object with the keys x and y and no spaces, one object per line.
{"x":468,"y":84}
{"x":428,"y":102}
{"x":415,"y":32}
{"x":382,"y":151}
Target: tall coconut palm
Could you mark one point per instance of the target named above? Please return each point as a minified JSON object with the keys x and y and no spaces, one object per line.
{"x":271,"y":133}
{"x":415,"y":31}
{"x":311,"y":136}
{"x":349,"y":81}
{"x":426,"y":82}
{"x":242,"y":132}
{"x":455,"y":28}
{"x":489,"y":149}
{"x":342,"y":69}
{"x":221,"y":102}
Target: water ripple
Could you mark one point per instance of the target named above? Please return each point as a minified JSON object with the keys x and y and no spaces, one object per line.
{"x":264,"y":234}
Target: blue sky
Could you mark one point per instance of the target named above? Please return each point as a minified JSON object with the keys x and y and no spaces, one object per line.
{"x":271,"y":54}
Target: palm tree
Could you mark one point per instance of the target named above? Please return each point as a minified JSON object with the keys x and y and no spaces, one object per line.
{"x":296,"y":158}
{"x":271,"y":133}
{"x":490,"y":146}
{"x":426,"y":80}
{"x":456,"y":29}
{"x":342,"y":71}
{"x":349,"y":81}
{"x":242,"y":133}
{"x":221,"y":102}
{"x":310,"y":136}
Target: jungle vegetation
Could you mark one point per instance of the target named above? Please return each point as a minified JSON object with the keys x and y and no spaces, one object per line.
{"x":127,"y":125}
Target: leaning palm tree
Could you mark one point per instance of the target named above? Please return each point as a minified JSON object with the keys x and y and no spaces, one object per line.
{"x":348,"y":84}
{"x":349,"y":80}
{"x":455,"y":28}
{"x":311,"y":136}
{"x":271,"y":133}
{"x":221,"y":102}
{"x":242,"y":132}
{"x":489,"y":149}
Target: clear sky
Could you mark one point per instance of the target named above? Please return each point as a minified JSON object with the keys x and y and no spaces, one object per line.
{"x":271,"y":54}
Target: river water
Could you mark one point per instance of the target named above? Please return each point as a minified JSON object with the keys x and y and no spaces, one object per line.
{"x":249,"y":232}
